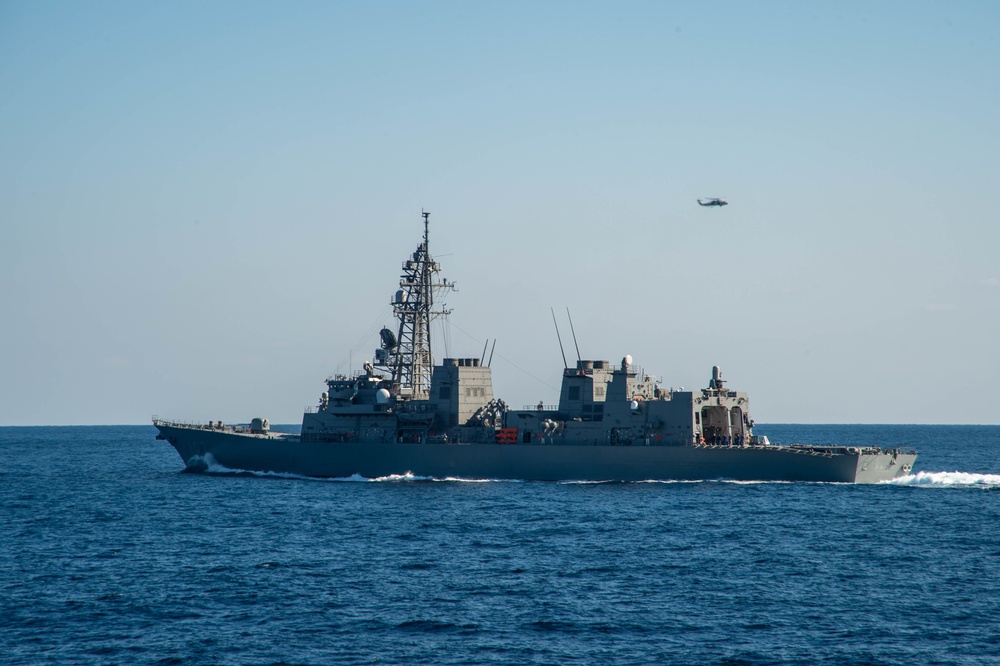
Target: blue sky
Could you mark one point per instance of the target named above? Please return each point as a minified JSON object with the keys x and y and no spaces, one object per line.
{"x":203,"y":207}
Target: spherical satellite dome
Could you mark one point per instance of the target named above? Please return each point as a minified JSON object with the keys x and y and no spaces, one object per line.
{"x":382,"y":396}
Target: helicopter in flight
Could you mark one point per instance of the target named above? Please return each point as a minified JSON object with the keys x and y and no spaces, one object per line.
{"x":715,"y":201}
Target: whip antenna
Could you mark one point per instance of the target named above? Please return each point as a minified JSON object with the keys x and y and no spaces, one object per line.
{"x":578,"y":357}
{"x":558,"y":337}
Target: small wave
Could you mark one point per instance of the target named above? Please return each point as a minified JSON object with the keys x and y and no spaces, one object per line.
{"x":948,"y":480}
{"x":416,"y":566}
{"x":555,"y":625}
{"x":434,"y":626}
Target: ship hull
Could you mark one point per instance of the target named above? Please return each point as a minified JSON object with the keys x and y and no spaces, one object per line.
{"x":529,"y":462}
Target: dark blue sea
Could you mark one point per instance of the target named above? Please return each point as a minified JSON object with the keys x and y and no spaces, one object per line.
{"x":109,"y":554}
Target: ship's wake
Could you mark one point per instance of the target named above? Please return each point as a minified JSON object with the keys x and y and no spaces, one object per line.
{"x":396,"y":478}
{"x":207,"y":464}
{"x":411,"y":477}
{"x":948,"y":480}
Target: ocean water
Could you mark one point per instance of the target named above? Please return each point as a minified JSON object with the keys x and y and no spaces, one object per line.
{"x":109,"y":554}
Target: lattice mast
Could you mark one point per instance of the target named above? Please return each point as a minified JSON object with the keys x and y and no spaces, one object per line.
{"x":411,"y":361}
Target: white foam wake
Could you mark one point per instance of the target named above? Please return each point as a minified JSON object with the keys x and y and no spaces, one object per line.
{"x":948,"y":480}
{"x":409,"y":476}
{"x":208,"y":463}
{"x":668,"y":482}
{"x":213,"y":466}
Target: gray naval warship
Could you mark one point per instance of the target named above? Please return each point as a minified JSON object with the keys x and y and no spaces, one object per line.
{"x":403,"y":415}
